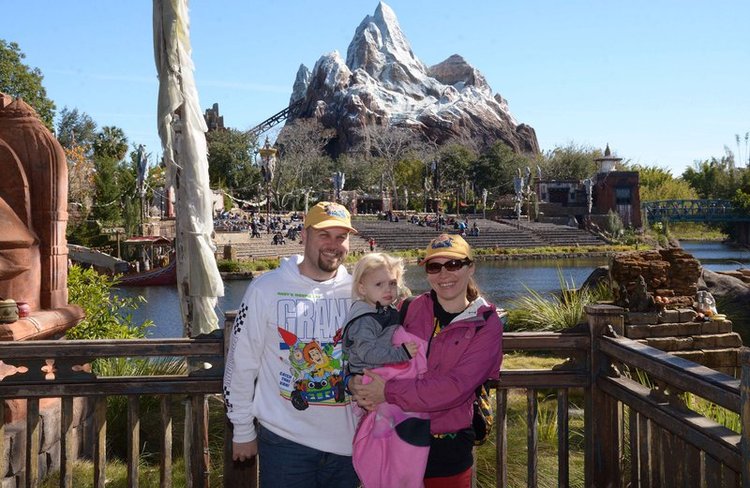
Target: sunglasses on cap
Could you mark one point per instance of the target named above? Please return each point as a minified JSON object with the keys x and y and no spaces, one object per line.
{"x":451,"y":265}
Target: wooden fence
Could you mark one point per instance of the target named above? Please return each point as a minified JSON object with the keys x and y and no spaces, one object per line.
{"x":639,"y":430}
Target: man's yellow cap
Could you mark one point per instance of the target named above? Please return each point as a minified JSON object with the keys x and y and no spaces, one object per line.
{"x":328,"y":214}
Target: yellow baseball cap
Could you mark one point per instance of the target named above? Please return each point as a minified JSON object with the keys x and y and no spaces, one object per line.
{"x":451,"y":246}
{"x":328,"y":214}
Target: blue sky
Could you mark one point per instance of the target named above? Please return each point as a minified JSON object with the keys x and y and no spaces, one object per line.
{"x":664,"y":82}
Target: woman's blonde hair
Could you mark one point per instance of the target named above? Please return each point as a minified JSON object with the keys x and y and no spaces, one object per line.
{"x":375,"y":260}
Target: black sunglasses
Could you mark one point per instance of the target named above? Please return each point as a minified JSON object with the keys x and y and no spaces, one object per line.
{"x":452,"y":265}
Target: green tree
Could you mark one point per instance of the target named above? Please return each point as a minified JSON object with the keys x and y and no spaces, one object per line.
{"x":110,"y":143}
{"x":359,"y":175}
{"x":658,"y":184}
{"x":741,"y":200}
{"x":76,"y":128}
{"x":21,"y":81}
{"x":386,"y":146}
{"x":714,"y":178}
{"x":410,"y":178}
{"x":130,"y":199}
{"x":302,"y":161}
{"x":107,"y":206}
{"x":455,"y":162}
{"x":495,"y":168}
{"x":230,"y":162}
{"x":571,"y":162}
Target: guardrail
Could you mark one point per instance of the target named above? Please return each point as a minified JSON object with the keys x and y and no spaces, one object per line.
{"x":639,"y":429}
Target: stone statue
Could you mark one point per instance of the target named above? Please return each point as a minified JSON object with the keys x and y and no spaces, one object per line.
{"x":640,"y":299}
{"x":34,"y":189}
{"x":16,"y":255}
{"x":622,"y":299}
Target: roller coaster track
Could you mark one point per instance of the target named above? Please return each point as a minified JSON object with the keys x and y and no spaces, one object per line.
{"x":275,"y":119}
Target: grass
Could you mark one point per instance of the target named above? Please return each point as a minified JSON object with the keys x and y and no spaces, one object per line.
{"x":538,"y":312}
{"x":517,"y":457}
{"x":247,"y":266}
{"x":522,"y":360}
{"x":116,"y":468}
{"x":696,"y":231}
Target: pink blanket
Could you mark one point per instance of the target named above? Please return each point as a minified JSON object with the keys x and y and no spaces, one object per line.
{"x":391,"y":446}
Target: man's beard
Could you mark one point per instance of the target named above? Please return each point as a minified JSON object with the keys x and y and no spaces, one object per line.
{"x":329,"y":266}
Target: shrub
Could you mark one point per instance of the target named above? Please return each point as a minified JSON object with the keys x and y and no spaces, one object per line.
{"x":108,"y":316}
{"x":229,"y":266}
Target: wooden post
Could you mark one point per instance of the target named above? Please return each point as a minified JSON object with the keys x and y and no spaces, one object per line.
{"x":165,"y":470}
{"x":602,"y":418}
{"x":745,"y":415}
{"x":134,"y":440}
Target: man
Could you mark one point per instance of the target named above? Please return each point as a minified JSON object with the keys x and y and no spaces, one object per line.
{"x":284,"y":365}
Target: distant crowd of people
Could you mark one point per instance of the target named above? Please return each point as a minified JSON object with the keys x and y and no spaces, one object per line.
{"x":282,"y":228}
{"x":439,"y":222}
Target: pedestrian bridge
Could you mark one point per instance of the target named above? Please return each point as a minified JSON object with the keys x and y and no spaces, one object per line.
{"x":693,"y":211}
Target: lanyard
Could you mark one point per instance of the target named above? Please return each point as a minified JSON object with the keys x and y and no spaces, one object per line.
{"x":435,"y":330}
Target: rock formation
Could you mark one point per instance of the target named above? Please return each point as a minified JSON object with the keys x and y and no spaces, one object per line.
{"x":670,"y":275}
{"x":382,"y":82}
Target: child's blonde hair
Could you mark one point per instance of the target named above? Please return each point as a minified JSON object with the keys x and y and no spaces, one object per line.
{"x":374,"y":260}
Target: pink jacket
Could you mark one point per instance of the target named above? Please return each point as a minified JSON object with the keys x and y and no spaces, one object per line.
{"x":391,"y":446}
{"x":462,"y":356}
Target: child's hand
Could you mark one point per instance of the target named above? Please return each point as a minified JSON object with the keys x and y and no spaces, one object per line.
{"x":412,"y":348}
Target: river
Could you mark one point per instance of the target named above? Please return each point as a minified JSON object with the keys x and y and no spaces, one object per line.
{"x":500,"y":281}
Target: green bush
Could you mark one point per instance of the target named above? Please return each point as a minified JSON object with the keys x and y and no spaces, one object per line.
{"x":229,"y":266}
{"x":108,"y":316}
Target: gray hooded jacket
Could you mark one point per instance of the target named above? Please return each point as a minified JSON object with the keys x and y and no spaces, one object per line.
{"x":367,"y":337}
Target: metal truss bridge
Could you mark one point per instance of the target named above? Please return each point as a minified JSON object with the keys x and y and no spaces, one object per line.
{"x":693,"y":211}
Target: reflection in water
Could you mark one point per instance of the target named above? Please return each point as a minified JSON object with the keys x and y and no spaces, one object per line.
{"x":500,"y":282}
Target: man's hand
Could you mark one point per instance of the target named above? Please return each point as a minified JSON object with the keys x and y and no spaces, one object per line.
{"x":244,"y":451}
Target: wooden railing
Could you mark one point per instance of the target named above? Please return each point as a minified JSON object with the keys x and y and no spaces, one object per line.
{"x":638,"y":430}
{"x":61,"y":369}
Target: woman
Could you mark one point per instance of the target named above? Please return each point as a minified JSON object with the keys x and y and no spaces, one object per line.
{"x":464,"y":335}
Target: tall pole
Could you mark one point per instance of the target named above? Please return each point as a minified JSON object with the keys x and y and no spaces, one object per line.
{"x":267,"y":155}
{"x":436,"y":172}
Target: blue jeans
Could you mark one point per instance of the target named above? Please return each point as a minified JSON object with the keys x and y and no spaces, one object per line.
{"x":286,"y":464}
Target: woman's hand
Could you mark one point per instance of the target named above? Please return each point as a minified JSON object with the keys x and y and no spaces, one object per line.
{"x":372,"y":394}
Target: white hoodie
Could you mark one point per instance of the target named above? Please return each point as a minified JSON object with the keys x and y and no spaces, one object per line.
{"x":283,"y":337}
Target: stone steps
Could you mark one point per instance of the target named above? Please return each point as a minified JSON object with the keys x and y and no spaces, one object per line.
{"x":699,"y":342}
{"x":405,"y":235}
{"x":263,"y":248}
{"x":678,"y":329}
{"x":711,"y":343}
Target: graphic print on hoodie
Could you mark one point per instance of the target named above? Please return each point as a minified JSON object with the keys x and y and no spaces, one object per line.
{"x":308,"y":345}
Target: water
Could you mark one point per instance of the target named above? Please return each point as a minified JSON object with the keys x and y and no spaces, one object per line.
{"x":718,"y":256}
{"x":500,"y":282}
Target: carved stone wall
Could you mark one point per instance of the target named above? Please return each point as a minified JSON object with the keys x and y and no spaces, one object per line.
{"x":33,"y":268}
{"x":44,"y":167}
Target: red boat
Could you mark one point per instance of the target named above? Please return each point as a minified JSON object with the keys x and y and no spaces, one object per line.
{"x":155,"y":277}
{"x":152,"y":247}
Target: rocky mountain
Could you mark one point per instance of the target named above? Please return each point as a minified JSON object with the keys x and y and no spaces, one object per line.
{"x":382,"y":82}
